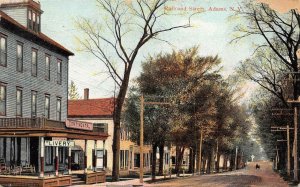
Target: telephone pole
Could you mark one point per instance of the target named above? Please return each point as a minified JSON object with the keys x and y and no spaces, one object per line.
{"x":199,"y":156}
{"x":143,"y":103}
{"x":295,"y":145}
{"x":287,"y":129}
{"x":235,"y":160}
{"x":142,"y":140}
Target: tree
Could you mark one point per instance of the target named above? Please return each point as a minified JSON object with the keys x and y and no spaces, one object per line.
{"x":73,"y":91}
{"x":280,"y":34}
{"x":175,"y":77}
{"x":129,"y":25}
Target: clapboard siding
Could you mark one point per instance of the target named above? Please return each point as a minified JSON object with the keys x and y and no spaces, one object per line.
{"x":25,"y":80}
{"x":17,"y":13}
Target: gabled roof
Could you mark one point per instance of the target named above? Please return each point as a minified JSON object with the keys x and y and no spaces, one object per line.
{"x":40,"y":38}
{"x":92,"y":108}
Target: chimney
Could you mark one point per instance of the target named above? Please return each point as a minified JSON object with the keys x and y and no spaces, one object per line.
{"x":86,"y":94}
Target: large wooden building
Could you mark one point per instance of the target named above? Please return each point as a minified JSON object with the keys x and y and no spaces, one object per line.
{"x":33,"y":103}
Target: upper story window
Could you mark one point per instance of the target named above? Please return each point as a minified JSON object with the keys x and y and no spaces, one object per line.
{"x":59,"y":71}
{"x":2,"y":99}
{"x":34,"y":62}
{"x":58,"y":109}
{"x":47,"y":106}
{"x":19,"y":57}
{"x":19,"y":98}
{"x":30,"y":19}
{"x":33,"y":103}
{"x":47,"y":68}
{"x":3,"y":51}
{"x":33,"y":21}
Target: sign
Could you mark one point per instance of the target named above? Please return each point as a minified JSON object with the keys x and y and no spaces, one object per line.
{"x":58,"y":138}
{"x":73,"y":124}
{"x":59,"y":143}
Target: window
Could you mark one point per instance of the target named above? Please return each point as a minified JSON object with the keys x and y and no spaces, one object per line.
{"x":49,"y":155}
{"x":37,"y":23}
{"x":47,"y":69}
{"x":19,"y":102}
{"x":3,"y":51}
{"x":124,"y":158}
{"x":30,"y":19}
{"x":47,"y":106}
{"x":59,"y":70}
{"x":19,"y":57}
{"x":33,"y":103}
{"x":33,"y":21}
{"x":2,"y":100}
{"x":61,"y":155}
{"x":34,"y":63}
{"x":58,"y":109}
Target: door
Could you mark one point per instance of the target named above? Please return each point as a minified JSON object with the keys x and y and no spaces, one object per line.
{"x":34,"y":153}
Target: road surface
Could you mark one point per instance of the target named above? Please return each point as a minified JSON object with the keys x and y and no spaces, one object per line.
{"x":263,"y":177}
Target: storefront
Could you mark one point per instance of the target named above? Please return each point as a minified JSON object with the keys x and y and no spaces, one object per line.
{"x":41,"y":150}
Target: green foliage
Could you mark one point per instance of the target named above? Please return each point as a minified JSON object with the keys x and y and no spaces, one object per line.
{"x":73,"y":91}
{"x":199,"y":99}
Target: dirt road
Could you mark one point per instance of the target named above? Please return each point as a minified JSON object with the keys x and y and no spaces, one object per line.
{"x":249,"y":177}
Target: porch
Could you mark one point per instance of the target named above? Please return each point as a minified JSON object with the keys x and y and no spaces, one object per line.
{"x":27,"y":157}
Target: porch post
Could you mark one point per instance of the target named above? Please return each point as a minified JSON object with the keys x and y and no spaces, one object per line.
{"x":42,"y":153}
{"x":56,"y":161}
{"x":95,"y":156}
{"x":149,"y":165}
{"x":85,"y":156}
{"x":69,"y":161}
{"x":104,"y":155}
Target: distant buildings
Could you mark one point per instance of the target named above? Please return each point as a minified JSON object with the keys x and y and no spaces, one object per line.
{"x":100,"y":113}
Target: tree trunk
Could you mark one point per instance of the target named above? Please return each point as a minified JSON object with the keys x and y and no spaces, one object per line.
{"x":179,"y":156}
{"x":218,"y":163}
{"x":117,"y":125}
{"x":161,"y":159}
{"x":232,"y":158}
{"x":225,"y":163}
{"x":208,"y":162}
{"x":212,"y":161}
{"x":153,"y":167}
{"x":192,"y":160}
{"x":203,"y":165}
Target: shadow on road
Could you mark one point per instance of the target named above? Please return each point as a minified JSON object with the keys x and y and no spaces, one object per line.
{"x":231,"y":180}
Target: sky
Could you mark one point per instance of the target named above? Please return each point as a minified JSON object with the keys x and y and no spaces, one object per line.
{"x":212,"y":31}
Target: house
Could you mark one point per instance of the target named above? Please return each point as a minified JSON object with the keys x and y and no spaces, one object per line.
{"x":100,"y":112}
{"x":34,"y":137}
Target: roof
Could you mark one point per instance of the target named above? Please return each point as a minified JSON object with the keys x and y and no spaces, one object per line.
{"x":93,"y":108}
{"x":33,"y":36}
{"x":16,"y":3}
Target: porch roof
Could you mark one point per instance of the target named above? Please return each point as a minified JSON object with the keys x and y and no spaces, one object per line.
{"x":41,"y":127}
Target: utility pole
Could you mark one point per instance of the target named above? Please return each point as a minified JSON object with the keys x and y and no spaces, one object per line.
{"x":295,"y":144}
{"x":199,"y":156}
{"x":288,"y":150}
{"x":143,"y":103}
{"x":142,"y":140}
{"x":236,"y":151}
{"x":287,"y":129}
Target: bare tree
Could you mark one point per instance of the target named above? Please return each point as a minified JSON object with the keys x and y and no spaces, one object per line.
{"x":265,"y":70}
{"x":280,"y":33}
{"x":127,"y":25}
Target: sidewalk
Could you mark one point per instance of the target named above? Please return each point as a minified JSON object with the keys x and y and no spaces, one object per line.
{"x":133,"y":182}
